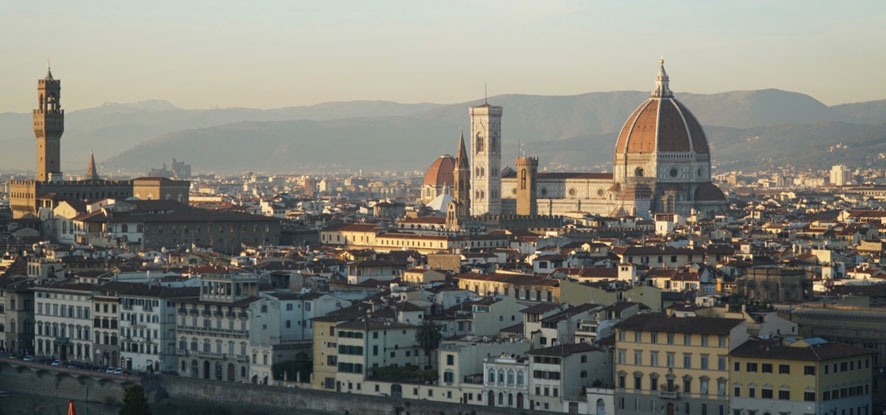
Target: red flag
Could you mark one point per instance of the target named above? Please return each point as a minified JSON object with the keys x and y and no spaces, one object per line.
{"x":71,"y":410}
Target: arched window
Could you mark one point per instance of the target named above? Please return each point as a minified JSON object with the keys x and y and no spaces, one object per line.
{"x":501,"y":376}
{"x":510,"y":377}
{"x":519,"y":378}
{"x":491,"y":378}
{"x":124,"y":228}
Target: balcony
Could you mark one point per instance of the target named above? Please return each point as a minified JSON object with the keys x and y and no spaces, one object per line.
{"x":671,"y":394}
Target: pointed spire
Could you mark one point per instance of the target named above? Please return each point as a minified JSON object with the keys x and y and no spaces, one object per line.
{"x":48,"y":70}
{"x":662,"y":90}
{"x":91,"y":171}
{"x":461,"y":159}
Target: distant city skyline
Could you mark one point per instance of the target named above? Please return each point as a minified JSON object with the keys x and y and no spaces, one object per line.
{"x":232,"y":54}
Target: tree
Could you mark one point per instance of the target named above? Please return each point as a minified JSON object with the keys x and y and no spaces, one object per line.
{"x":134,"y":401}
{"x":428,"y":337}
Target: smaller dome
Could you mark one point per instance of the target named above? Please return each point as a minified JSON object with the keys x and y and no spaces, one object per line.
{"x":708,"y":192}
{"x":441,"y":172}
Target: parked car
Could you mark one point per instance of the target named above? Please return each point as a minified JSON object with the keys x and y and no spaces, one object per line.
{"x":28,"y":358}
{"x":56,"y":363}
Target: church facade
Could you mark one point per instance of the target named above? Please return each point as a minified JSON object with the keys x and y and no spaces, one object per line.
{"x":661,"y":164}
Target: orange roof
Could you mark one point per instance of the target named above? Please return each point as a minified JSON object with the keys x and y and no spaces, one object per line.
{"x":441,"y":172}
{"x":661,"y":124}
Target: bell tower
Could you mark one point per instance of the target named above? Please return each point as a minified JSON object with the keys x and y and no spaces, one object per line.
{"x":485,"y":160}
{"x":49,"y":124}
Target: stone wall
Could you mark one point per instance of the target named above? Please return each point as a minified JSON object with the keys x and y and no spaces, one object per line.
{"x":286,"y":398}
{"x":62,"y":383}
{"x":26,"y":378}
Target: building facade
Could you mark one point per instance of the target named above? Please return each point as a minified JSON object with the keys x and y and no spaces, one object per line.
{"x":674,"y":365}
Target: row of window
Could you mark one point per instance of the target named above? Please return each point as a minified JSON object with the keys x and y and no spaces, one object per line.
{"x":505,"y":378}
{"x":62,"y":310}
{"x":351,"y":350}
{"x":669,"y":338}
{"x":207,"y":346}
{"x":670,"y":357}
{"x":655,"y":384}
{"x":350,"y":367}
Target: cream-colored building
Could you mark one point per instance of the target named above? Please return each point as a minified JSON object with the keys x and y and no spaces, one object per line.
{"x":520,"y":286}
{"x":672,"y":365}
{"x":810,"y":376}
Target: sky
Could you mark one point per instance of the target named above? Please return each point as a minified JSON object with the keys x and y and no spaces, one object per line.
{"x":270,"y":54}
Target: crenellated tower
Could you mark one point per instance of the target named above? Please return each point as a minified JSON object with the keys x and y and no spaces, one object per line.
{"x":527,"y":175}
{"x":49,"y":124}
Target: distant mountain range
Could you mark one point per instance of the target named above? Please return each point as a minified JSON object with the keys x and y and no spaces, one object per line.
{"x":747,"y":129}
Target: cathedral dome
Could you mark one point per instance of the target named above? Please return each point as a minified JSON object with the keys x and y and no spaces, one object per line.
{"x":441,"y":172}
{"x":662,"y":123}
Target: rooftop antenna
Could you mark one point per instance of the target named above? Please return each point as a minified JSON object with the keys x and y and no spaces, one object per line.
{"x":485,"y":93}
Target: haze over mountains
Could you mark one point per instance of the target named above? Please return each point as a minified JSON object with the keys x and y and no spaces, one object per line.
{"x":752,"y":129}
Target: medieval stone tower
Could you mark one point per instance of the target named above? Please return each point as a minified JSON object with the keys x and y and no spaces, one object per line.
{"x":527,"y":175}
{"x":49,"y":124}
{"x":486,"y":160}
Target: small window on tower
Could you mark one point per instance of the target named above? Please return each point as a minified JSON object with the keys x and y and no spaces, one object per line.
{"x":638,"y":172}
{"x":673,"y":173}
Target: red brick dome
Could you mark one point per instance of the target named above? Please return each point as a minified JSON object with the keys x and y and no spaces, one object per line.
{"x":662,"y":123}
{"x":441,"y":172}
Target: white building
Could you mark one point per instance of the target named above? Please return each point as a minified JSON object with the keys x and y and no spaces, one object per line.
{"x":63,"y":319}
{"x":841,"y":175}
{"x":506,"y":381}
{"x":147,"y":325}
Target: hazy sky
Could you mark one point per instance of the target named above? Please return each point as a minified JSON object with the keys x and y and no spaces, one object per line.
{"x":266,"y":54}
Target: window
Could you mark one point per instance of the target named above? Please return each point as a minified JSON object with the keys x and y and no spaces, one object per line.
{"x":766,"y":393}
{"x":638,"y":357}
{"x":721,"y":362}
{"x":736,"y":392}
{"x":687,"y":340}
{"x":703,"y":386}
{"x":737,"y":366}
{"x":621,"y":357}
{"x":670,"y":338}
{"x":654,"y":383}
{"x":704,"y":341}
{"x":704,"y":361}
{"x":809,"y":370}
{"x":638,"y":382}
{"x":653,"y":358}
{"x":653,"y":338}
{"x":751,"y":367}
{"x":784,"y":369}
{"x":767,"y":368}
{"x":784,"y":394}
{"x":687,"y":360}
{"x":670,"y":359}
{"x":809,"y":396}
{"x":621,"y":382}
{"x":722,"y":341}
{"x":637,"y":337}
